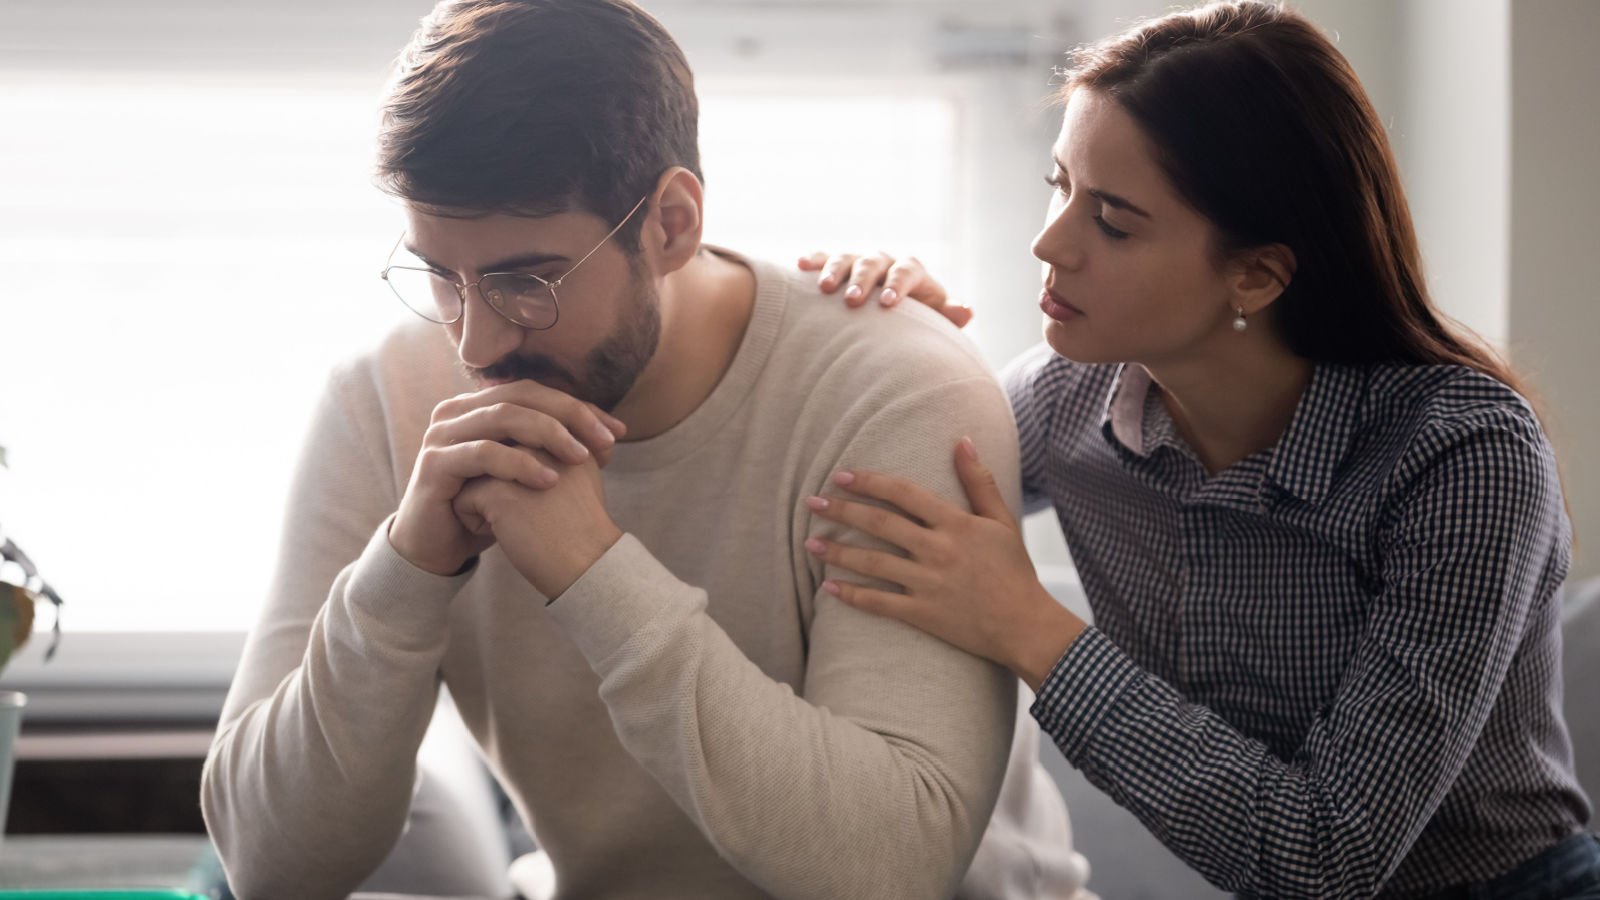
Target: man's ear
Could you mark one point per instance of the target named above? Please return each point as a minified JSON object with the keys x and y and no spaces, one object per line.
{"x":1260,"y":275}
{"x":672,"y":231}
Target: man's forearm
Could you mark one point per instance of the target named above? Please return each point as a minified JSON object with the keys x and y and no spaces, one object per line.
{"x":306,"y":789}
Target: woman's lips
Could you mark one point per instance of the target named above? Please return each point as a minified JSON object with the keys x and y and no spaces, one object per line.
{"x":1057,"y":308}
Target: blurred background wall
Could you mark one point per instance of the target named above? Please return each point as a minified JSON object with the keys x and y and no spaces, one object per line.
{"x":189,"y":238}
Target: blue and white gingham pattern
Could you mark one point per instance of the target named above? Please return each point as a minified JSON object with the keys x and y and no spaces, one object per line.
{"x":1331,"y":670}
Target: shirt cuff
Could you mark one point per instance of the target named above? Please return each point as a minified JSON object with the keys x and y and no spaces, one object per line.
{"x":1080,"y":692}
{"x":411,"y":603}
{"x":621,"y":595}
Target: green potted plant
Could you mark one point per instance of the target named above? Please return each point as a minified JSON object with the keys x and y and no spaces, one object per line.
{"x":20,"y":591}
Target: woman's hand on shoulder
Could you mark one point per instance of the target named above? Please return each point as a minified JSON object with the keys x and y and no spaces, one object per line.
{"x":900,"y":278}
{"x":964,"y":577}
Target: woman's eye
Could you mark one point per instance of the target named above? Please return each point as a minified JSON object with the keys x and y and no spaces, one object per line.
{"x":1059,"y":182}
{"x":1112,"y":232}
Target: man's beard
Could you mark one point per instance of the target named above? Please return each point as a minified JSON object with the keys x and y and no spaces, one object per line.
{"x":610,"y":369}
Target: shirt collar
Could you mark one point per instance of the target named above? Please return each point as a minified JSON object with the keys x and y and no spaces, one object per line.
{"x":1321,"y":432}
{"x":1305,"y":459}
{"x":1123,"y":419}
{"x":1134,"y":415}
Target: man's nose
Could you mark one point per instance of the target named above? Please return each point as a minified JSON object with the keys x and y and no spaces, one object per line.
{"x":486,"y":335}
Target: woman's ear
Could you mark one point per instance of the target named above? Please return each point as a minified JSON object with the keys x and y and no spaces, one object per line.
{"x":672,"y":231}
{"x":1260,"y":275}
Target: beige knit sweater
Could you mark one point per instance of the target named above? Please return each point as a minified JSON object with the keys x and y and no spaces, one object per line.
{"x":694,"y":717}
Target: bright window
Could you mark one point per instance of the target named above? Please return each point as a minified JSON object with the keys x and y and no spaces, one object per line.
{"x":184,"y":260}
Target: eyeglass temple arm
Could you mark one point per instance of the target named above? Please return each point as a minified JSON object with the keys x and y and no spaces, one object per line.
{"x":557,"y":283}
{"x":609,"y":235}
{"x":390,"y":258}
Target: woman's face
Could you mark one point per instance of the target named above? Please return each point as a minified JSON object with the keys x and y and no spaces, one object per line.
{"x":1131,"y":272}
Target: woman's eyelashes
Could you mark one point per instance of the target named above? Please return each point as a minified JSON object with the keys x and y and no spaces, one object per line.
{"x":1058,"y":181}
{"x":1111,"y":231}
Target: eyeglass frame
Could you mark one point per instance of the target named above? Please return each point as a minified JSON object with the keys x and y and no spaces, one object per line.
{"x":463,"y":287}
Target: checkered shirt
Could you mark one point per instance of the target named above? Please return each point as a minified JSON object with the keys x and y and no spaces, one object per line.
{"x":1333,"y":669}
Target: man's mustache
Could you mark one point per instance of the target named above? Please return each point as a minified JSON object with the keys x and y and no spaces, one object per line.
{"x":532,"y":368}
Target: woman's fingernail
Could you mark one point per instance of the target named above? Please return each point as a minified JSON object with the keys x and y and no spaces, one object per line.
{"x":843,"y":477}
{"x":831,"y":587}
{"x":817,"y":503}
{"x":888,"y":297}
{"x":969,"y":448}
{"x":816,"y":546}
{"x":853,"y":292}
{"x":825,"y":282}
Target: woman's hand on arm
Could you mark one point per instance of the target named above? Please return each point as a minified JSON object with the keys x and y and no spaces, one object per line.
{"x":967,"y":577}
{"x":900,"y":278}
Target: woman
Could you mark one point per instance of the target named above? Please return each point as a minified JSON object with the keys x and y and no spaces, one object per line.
{"x":1320,"y":531}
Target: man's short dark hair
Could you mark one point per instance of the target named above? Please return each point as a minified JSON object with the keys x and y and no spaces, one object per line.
{"x":533,"y":107}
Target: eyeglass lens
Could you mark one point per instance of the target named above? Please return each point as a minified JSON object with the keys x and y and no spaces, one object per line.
{"x":524,"y":299}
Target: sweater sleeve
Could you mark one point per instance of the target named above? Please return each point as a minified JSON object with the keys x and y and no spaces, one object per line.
{"x":1472,"y":535}
{"x":310,"y":776}
{"x":878,"y":779}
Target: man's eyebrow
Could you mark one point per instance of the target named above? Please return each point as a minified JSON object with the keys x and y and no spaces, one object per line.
{"x":509,"y":264}
{"x":1112,"y":200}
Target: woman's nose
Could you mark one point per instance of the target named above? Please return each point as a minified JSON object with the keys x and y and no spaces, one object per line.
{"x":1056,"y":244}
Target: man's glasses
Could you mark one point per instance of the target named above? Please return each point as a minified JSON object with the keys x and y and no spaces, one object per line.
{"x":525,"y":300}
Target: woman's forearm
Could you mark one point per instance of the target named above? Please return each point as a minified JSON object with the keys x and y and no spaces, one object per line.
{"x":1040,"y":641}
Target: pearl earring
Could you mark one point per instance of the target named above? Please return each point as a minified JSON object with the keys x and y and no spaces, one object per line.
{"x":1240,"y":324}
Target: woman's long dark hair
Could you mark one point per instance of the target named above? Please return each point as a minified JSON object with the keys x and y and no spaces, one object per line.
{"x":1263,"y":127}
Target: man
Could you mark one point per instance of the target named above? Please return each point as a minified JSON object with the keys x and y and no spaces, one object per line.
{"x":580,"y":501}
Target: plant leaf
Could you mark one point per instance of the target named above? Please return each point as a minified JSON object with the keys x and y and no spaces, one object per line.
{"x":16,"y":620}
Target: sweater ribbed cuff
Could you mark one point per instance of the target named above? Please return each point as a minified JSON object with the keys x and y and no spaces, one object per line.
{"x":412,"y":604}
{"x":619,"y":596}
